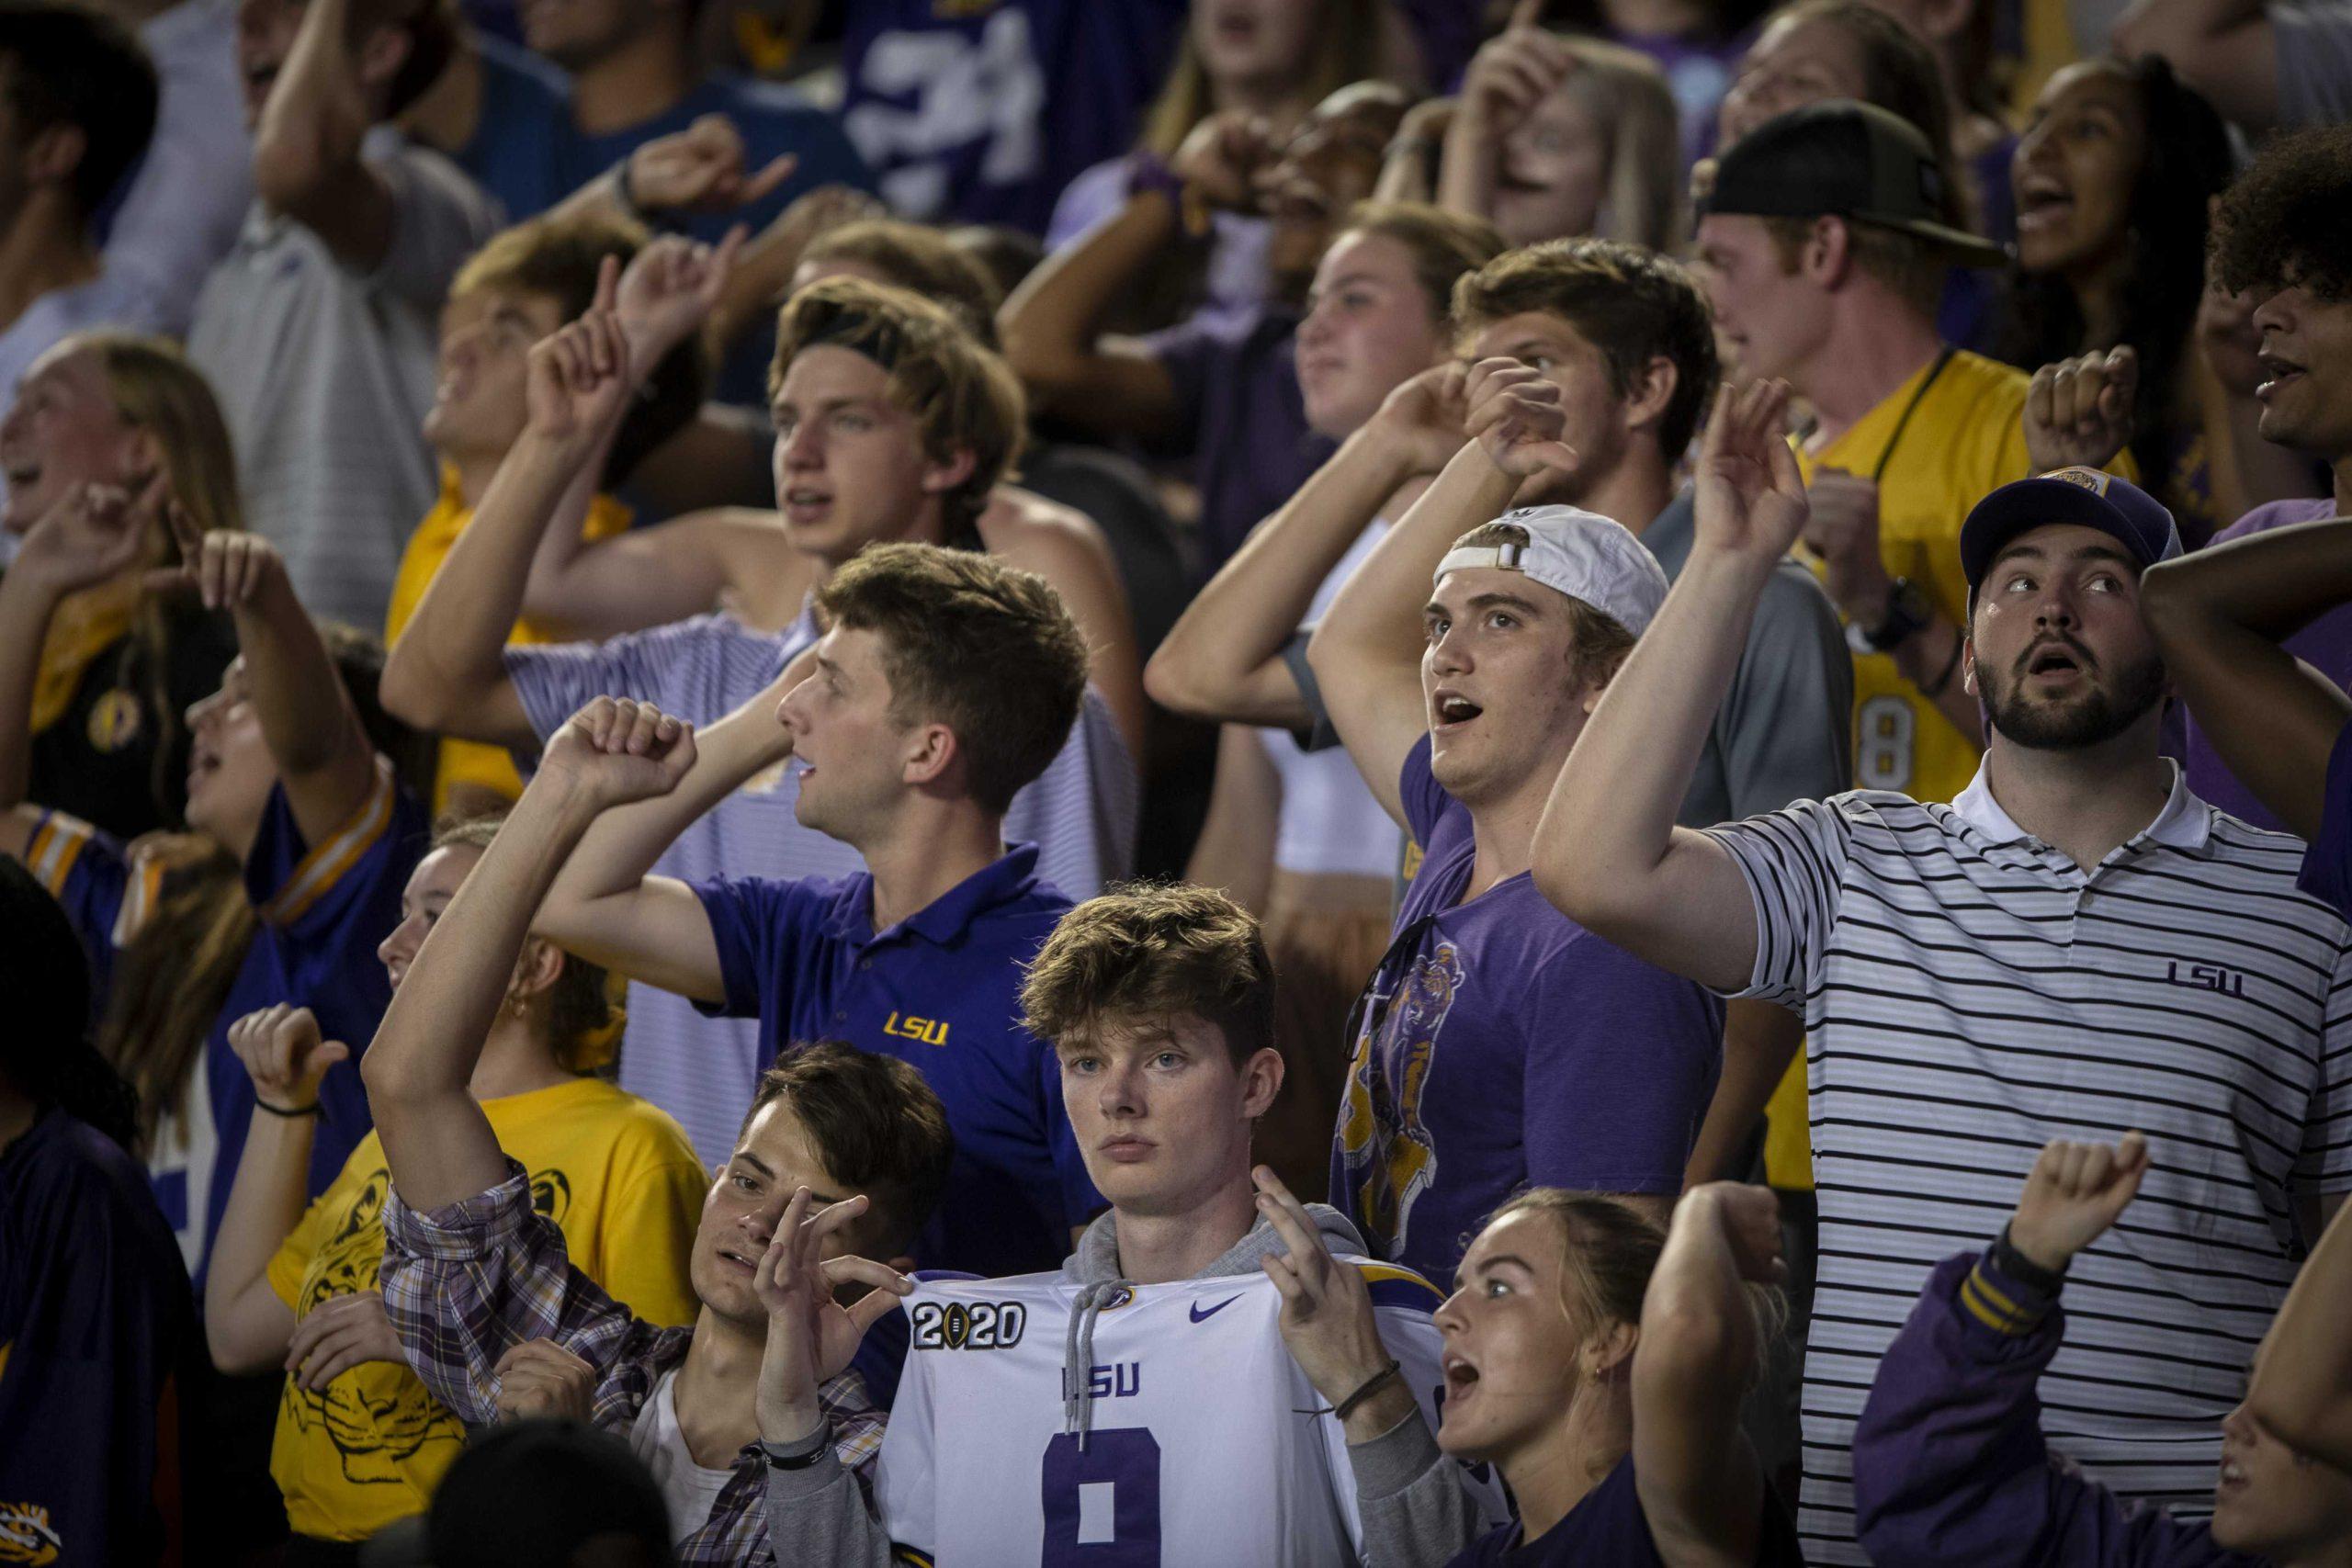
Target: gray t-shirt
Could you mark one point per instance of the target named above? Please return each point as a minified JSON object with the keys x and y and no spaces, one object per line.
{"x":325,"y":375}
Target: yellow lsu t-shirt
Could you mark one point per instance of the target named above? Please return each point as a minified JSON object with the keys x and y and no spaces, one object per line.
{"x":614,"y":1172}
{"x":468,"y":761}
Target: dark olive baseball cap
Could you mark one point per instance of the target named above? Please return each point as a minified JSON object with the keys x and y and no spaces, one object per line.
{"x":1843,"y":159}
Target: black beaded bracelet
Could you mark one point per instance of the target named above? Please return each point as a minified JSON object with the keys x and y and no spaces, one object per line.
{"x":1372,"y":1385}
{"x":313,"y":1109}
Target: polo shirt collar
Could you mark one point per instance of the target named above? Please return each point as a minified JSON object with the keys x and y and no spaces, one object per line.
{"x":1011,"y":875}
{"x":2185,"y":823}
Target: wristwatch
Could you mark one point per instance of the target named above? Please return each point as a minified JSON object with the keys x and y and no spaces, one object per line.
{"x":1907,"y":610}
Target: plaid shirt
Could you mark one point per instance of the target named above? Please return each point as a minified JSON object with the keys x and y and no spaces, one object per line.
{"x":465,"y":1284}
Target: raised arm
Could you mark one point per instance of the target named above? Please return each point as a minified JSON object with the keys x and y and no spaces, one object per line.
{"x":447,"y":672}
{"x":306,"y":150}
{"x":439,"y":1143}
{"x":92,"y":536}
{"x":1366,"y":654}
{"x":2219,"y":617}
{"x":605,"y":906}
{"x":1224,"y":658}
{"x":1951,"y":1465}
{"x":1701,"y":1488}
{"x":1607,"y":850}
{"x":325,"y":761}
{"x":1051,"y":324}
{"x":247,"y":1324}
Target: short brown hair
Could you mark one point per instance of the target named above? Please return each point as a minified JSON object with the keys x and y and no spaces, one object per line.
{"x":1598,"y":642}
{"x":1632,"y":304}
{"x":961,"y":394}
{"x":877,"y":1125}
{"x":969,"y":642}
{"x":583,"y":1021}
{"x":1905,"y":263}
{"x":1147,"y":952}
{"x":919,"y":259}
{"x":1443,"y":246}
{"x":558,"y":259}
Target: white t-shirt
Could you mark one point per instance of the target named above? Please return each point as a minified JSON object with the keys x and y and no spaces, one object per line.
{"x":1206,"y":1443}
{"x":1329,"y":822}
{"x":688,"y":1488}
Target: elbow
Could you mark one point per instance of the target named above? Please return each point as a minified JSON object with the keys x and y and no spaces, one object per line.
{"x":1050,"y":369}
{"x":288,"y":169}
{"x":410,"y":691}
{"x":235,"y":1350}
{"x":1171,"y":682}
{"x":2298,"y":1418}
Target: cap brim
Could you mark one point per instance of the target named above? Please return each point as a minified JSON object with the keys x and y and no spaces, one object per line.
{"x":1958,"y":245}
{"x":2019,"y":508}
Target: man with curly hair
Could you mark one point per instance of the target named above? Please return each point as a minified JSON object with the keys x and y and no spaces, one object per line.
{"x":2284,"y":233}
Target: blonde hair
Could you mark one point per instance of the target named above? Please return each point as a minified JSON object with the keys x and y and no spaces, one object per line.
{"x":1641,"y":201}
{"x":1348,"y":47}
{"x":1445,"y":246}
{"x":962,"y":396}
{"x":585,"y":1013}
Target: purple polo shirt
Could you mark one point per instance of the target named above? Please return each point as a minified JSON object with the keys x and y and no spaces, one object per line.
{"x":1241,"y":416}
{"x":1501,"y":1045}
{"x":2325,"y":645}
{"x":940,"y":989}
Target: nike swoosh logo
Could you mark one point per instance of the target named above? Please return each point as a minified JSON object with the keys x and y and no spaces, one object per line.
{"x":1201,"y":1314}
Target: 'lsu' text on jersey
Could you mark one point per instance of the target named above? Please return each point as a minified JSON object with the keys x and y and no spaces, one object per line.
{"x":1207,"y":1444}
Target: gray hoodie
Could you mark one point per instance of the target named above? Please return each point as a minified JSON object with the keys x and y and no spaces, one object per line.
{"x":1417,"y":1511}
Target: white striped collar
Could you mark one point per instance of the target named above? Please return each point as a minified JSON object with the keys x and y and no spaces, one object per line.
{"x":2185,"y":823}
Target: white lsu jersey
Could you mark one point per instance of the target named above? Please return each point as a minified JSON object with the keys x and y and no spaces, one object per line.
{"x":1208,"y":1449}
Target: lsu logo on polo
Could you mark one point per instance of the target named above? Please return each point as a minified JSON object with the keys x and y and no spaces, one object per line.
{"x":906,"y":1026}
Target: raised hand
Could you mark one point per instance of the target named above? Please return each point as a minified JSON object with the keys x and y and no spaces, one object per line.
{"x":579,"y":379}
{"x":1513,"y":73}
{"x":700,"y":169}
{"x":539,"y":1377}
{"x":2074,"y":1192}
{"x":1515,"y":414}
{"x":620,"y":750}
{"x":2078,"y":412}
{"x":669,"y":289}
{"x":1751,"y":498}
{"x":227,"y":568}
{"x":1327,"y":1319}
{"x":1420,"y":419}
{"x":1751,"y":1219}
{"x":338,"y":1335}
{"x":812,"y":1336}
{"x":1223,"y":156}
{"x":92,"y":533}
{"x":284,"y":1054}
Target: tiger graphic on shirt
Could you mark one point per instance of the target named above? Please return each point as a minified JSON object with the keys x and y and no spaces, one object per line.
{"x":1387,"y":1156}
{"x":377,"y":1415}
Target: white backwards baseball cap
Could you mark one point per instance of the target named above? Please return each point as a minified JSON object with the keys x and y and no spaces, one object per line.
{"x":1578,"y":553}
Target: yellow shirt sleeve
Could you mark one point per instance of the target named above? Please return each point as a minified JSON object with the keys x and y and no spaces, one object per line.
{"x":648,"y":1229}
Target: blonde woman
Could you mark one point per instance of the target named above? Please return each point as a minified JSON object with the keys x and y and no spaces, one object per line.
{"x":1556,"y":137}
{"x":96,"y":672}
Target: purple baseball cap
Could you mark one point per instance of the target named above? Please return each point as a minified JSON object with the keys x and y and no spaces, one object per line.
{"x":2086,"y":497}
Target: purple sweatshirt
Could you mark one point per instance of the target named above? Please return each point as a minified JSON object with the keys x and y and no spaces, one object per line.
{"x":1949,"y":1464}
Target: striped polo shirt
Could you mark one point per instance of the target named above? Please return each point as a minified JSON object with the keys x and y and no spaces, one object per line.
{"x":1080,"y":812}
{"x":1969,"y":993}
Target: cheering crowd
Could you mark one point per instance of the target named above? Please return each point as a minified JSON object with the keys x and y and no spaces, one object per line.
{"x":1306,"y":782}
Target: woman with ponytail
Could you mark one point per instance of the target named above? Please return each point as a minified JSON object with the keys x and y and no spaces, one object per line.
{"x":95,"y":1323}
